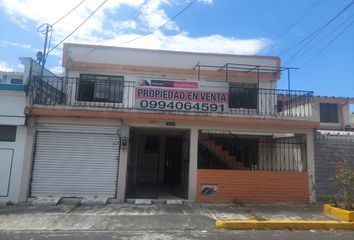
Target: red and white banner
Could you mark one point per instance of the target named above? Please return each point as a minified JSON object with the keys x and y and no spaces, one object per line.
{"x":201,"y":96}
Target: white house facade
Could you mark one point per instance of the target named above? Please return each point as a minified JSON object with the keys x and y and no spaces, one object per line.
{"x":125,"y":123}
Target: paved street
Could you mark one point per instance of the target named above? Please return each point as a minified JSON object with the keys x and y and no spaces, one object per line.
{"x":175,"y":234}
{"x":158,"y":221}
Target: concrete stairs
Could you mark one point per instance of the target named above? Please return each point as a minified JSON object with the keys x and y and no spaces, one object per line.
{"x":217,"y":150}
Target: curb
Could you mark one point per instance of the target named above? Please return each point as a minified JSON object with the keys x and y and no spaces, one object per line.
{"x":339,"y":213}
{"x":284,"y":225}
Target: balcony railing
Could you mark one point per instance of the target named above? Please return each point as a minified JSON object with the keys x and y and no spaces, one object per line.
{"x":121,"y":95}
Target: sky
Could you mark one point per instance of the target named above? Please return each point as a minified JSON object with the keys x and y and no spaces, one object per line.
{"x":303,"y":33}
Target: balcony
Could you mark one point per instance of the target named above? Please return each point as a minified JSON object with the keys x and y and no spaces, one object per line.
{"x":120,"y":95}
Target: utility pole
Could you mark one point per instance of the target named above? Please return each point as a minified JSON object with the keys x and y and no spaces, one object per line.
{"x":44,"y":29}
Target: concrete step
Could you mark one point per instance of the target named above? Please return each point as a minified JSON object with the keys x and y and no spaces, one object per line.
{"x":174,"y":201}
{"x":143,"y":202}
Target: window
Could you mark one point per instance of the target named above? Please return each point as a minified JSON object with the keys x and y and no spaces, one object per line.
{"x":7,"y":133}
{"x":100,"y":88}
{"x":16,"y":81}
{"x":329,"y":112}
{"x":243,"y":96}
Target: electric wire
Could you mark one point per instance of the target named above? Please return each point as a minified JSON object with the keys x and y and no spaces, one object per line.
{"x":164,"y":24}
{"x":333,"y":30}
{"x":298,"y":20}
{"x":328,"y":44}
{"x":338,"y":27}
{"x":78,"y":26}
{"x":293,"y":57}
{"x":120,"y":29}
{"x":65,"y":15}
{"x":317,"y":31}
{"x":161,"y":26}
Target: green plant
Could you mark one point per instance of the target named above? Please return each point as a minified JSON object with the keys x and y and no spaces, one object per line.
{"x":344,"y":178}
{"x":331,"y":200}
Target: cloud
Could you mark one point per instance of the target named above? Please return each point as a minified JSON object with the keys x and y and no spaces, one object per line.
{"x":58,"y":70}
{"x":4,"y":67}
{"x":20,"y":67}
{"x":15,"y":44}
{"x":183,"y":42}
{"x":208,"y":2}
{"x":103,"y":27}
{"x":154,"y":16}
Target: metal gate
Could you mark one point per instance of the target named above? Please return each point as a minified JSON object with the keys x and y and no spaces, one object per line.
{"x":75,"y":161}
{"x":157,"y":168}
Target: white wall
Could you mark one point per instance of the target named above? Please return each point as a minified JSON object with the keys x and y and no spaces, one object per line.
{"x":14,"y":170}
{"x":12,"y":104}
{"x":157,"y":58}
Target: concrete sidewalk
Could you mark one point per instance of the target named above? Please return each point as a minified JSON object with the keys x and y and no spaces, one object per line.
{"x":121,"y":217}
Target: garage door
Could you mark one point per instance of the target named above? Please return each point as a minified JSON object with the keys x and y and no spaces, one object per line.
{"x":75,"y":161}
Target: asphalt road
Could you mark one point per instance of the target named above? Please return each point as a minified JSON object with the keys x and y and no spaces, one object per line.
{"x":175,"y":234}
{"x":165,"y":222}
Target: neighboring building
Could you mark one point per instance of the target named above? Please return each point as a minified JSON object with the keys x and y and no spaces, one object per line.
{"x":129,"y":123}
{"x":334,"y":142}
{"x":333,"y":111}
{"x":12,"y":134}
{"x":11,"y":77}
{"x":331,"y":148}
{"x":352,"y":119}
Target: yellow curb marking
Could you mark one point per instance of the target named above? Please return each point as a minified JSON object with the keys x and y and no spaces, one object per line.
{"x":339,"y":213}
{"x":284,"y":224}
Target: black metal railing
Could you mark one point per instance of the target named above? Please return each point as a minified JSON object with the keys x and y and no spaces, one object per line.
{"x":121,"y":95}
{"x":85,"y":93}
{"x":222,"y":150}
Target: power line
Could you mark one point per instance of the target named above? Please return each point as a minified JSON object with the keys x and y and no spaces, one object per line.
{"x":318,"y":42}
{"x":330,"y":33}
{"x":120,"y":29}
{"x":307,"y":12}
{"x":328,"y":44}
{"x":161,"y":26}
{"x":73,"y":9}
{"x":78,"y":26}
{"x":302,"y":48}
{"x":318,"y":30}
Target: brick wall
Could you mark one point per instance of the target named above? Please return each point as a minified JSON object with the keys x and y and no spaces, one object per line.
{"x":254,"y":186}
{"x":330,"y":148}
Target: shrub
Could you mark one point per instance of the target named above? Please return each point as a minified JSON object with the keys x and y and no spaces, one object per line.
{"x":344,"y":179}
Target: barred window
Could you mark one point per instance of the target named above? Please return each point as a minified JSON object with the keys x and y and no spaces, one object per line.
{"x":100,"y":88}
{"x":243,"y":96}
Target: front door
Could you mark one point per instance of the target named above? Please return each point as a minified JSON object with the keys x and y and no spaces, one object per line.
{"x":177,"y":165}
{"x":158,"y":165}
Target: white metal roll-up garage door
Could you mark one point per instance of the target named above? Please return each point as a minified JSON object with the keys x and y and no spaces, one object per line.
{"x":75,"y":161}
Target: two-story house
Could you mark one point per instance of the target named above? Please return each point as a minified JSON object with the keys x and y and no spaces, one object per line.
{"x":126,"y":123}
